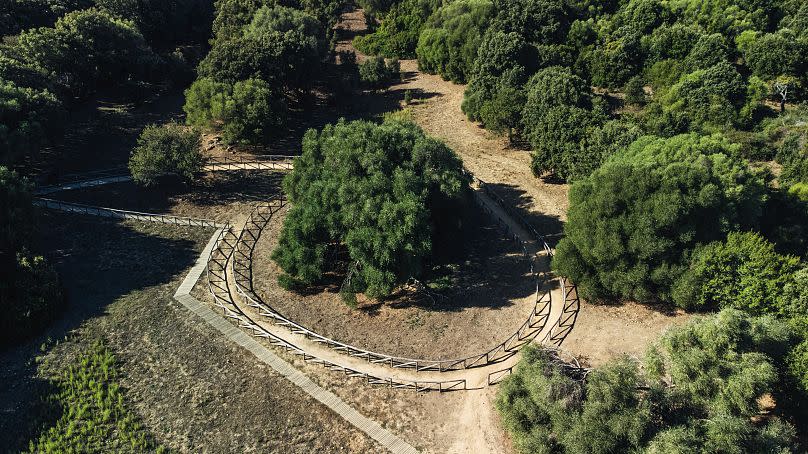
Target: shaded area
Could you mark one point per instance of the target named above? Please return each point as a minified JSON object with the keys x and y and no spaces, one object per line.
{"x":216,"y":195}
{"x":548,"y":225}
{"x":98,"y":262}
{"x":101,"y":133}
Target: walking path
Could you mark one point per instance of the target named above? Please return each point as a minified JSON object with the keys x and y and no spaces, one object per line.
{"x":239,"y":337}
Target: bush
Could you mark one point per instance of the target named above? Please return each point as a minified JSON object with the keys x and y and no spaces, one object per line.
{"x":29,"y":119}
{"x":635,"y":91}
{"x":449,"y":42}
{"x":776,"y":54}
{"x":632,"y":223}
{"x":254,"y":113}
{"x":376,"y":73}
{"x":373,"y":190}
{"x":86,"y":49}
{"x":166,"y":149}
{"x":697,"y":393}
{"x":705,"y":99}
{"x":743,"y":272}
{"x":398,"y":34}
{"x":279,"y":45}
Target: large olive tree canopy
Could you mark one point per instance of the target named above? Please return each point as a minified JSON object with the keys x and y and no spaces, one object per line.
{"x":378,"y":190}
{"x":633,"y":222}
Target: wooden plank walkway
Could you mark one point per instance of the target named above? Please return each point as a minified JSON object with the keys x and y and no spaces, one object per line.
{"x":239,"y":337}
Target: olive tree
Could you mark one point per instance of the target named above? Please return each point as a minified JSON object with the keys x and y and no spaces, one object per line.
{"x":161,"y":150}
{"x":633,"y":222}
{"x":373,"y":190}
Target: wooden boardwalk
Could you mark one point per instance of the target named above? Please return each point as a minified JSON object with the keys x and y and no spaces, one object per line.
{"x":239,"y":337}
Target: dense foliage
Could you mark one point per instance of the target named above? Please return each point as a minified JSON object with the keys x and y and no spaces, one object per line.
{"x":379,"y":191}
{"x":698,"y":392}
{"x":376,"y":73}
{"x":632,"y":223}
{"x":397,"y":36}
{"x":169,"y":149}
{"x":262,"y":59}
{"x":743,"y":272}
{"x":449,"y":41}
{"x":92,"y":413}
{"x":30,"y":295}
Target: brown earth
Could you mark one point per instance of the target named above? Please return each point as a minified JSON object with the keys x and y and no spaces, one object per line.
{"x":492,"y":296}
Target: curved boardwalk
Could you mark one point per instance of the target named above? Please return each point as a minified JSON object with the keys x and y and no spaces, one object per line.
{"x":239,"y":337}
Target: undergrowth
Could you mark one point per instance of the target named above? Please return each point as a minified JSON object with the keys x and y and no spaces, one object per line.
{"x":91,"y":414}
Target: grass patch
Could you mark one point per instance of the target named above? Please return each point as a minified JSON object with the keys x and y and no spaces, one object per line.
{"x":93,"y":415}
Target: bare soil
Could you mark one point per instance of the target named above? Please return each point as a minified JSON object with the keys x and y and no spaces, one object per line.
{"x":492,"y":293}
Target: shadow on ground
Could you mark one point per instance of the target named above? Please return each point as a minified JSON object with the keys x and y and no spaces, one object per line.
{"x":98,"y":262}
{"x":548,"y":225}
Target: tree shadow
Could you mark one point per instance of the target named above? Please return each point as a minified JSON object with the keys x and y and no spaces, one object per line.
{"x":98,"y":261}
{"x":550,"y":226}
{"x":214,"y":189}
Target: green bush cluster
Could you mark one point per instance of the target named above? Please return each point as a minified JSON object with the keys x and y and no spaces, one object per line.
{"x":697,"y":392}
{"x":397,"y":36}
{"x":379,"y":191}
{"x":376,"y":73}
{"x":449,"y":41}
{"x":168,"y":149}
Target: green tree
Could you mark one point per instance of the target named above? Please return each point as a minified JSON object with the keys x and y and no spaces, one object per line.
{"x":451,"y":37}
{"x":375,"y":72}
{"x":503,"y":113}
{"x":697,"y":393}
{"x":743,"y":272}
{"x":166,"y":149}
{"x":776,"y":54}
{"x":378,"y":191}
{"x":500,"y":56}
{"x":279,"y":44}
{"x":398,"y":34}
{"x":705,"y":99}
{"x":632,"y":223}
{"x":29,"y":119}
{"x":635,"y":91}
{"x":86,"y":49}
{"x":708,"y":51}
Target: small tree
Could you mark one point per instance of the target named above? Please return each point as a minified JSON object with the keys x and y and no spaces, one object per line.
{"x":503,"y":113}
{"x":374,"y":72}
{"x":379,"y":192}
{"x":166,"y":149}
{"x":635,"y":91}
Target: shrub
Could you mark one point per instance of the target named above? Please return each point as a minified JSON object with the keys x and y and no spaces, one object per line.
{"x":635,"y":91}
{"x":373,"y":190}
{"x":166,"y":149}
{"x":376,"y":73}
{"x":776,"y":54}
{"x":86,"y":49}
{"x":450,"y":39}
{"x":743,"y":272}
{"x":29,"y":119}
{"x":706,"y":99}
{"x":248,"y":112}
{"x":698,"y":392}
{"x":254,"y":113}
{"x":632,"y":222}
{"x":398,"y":34}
